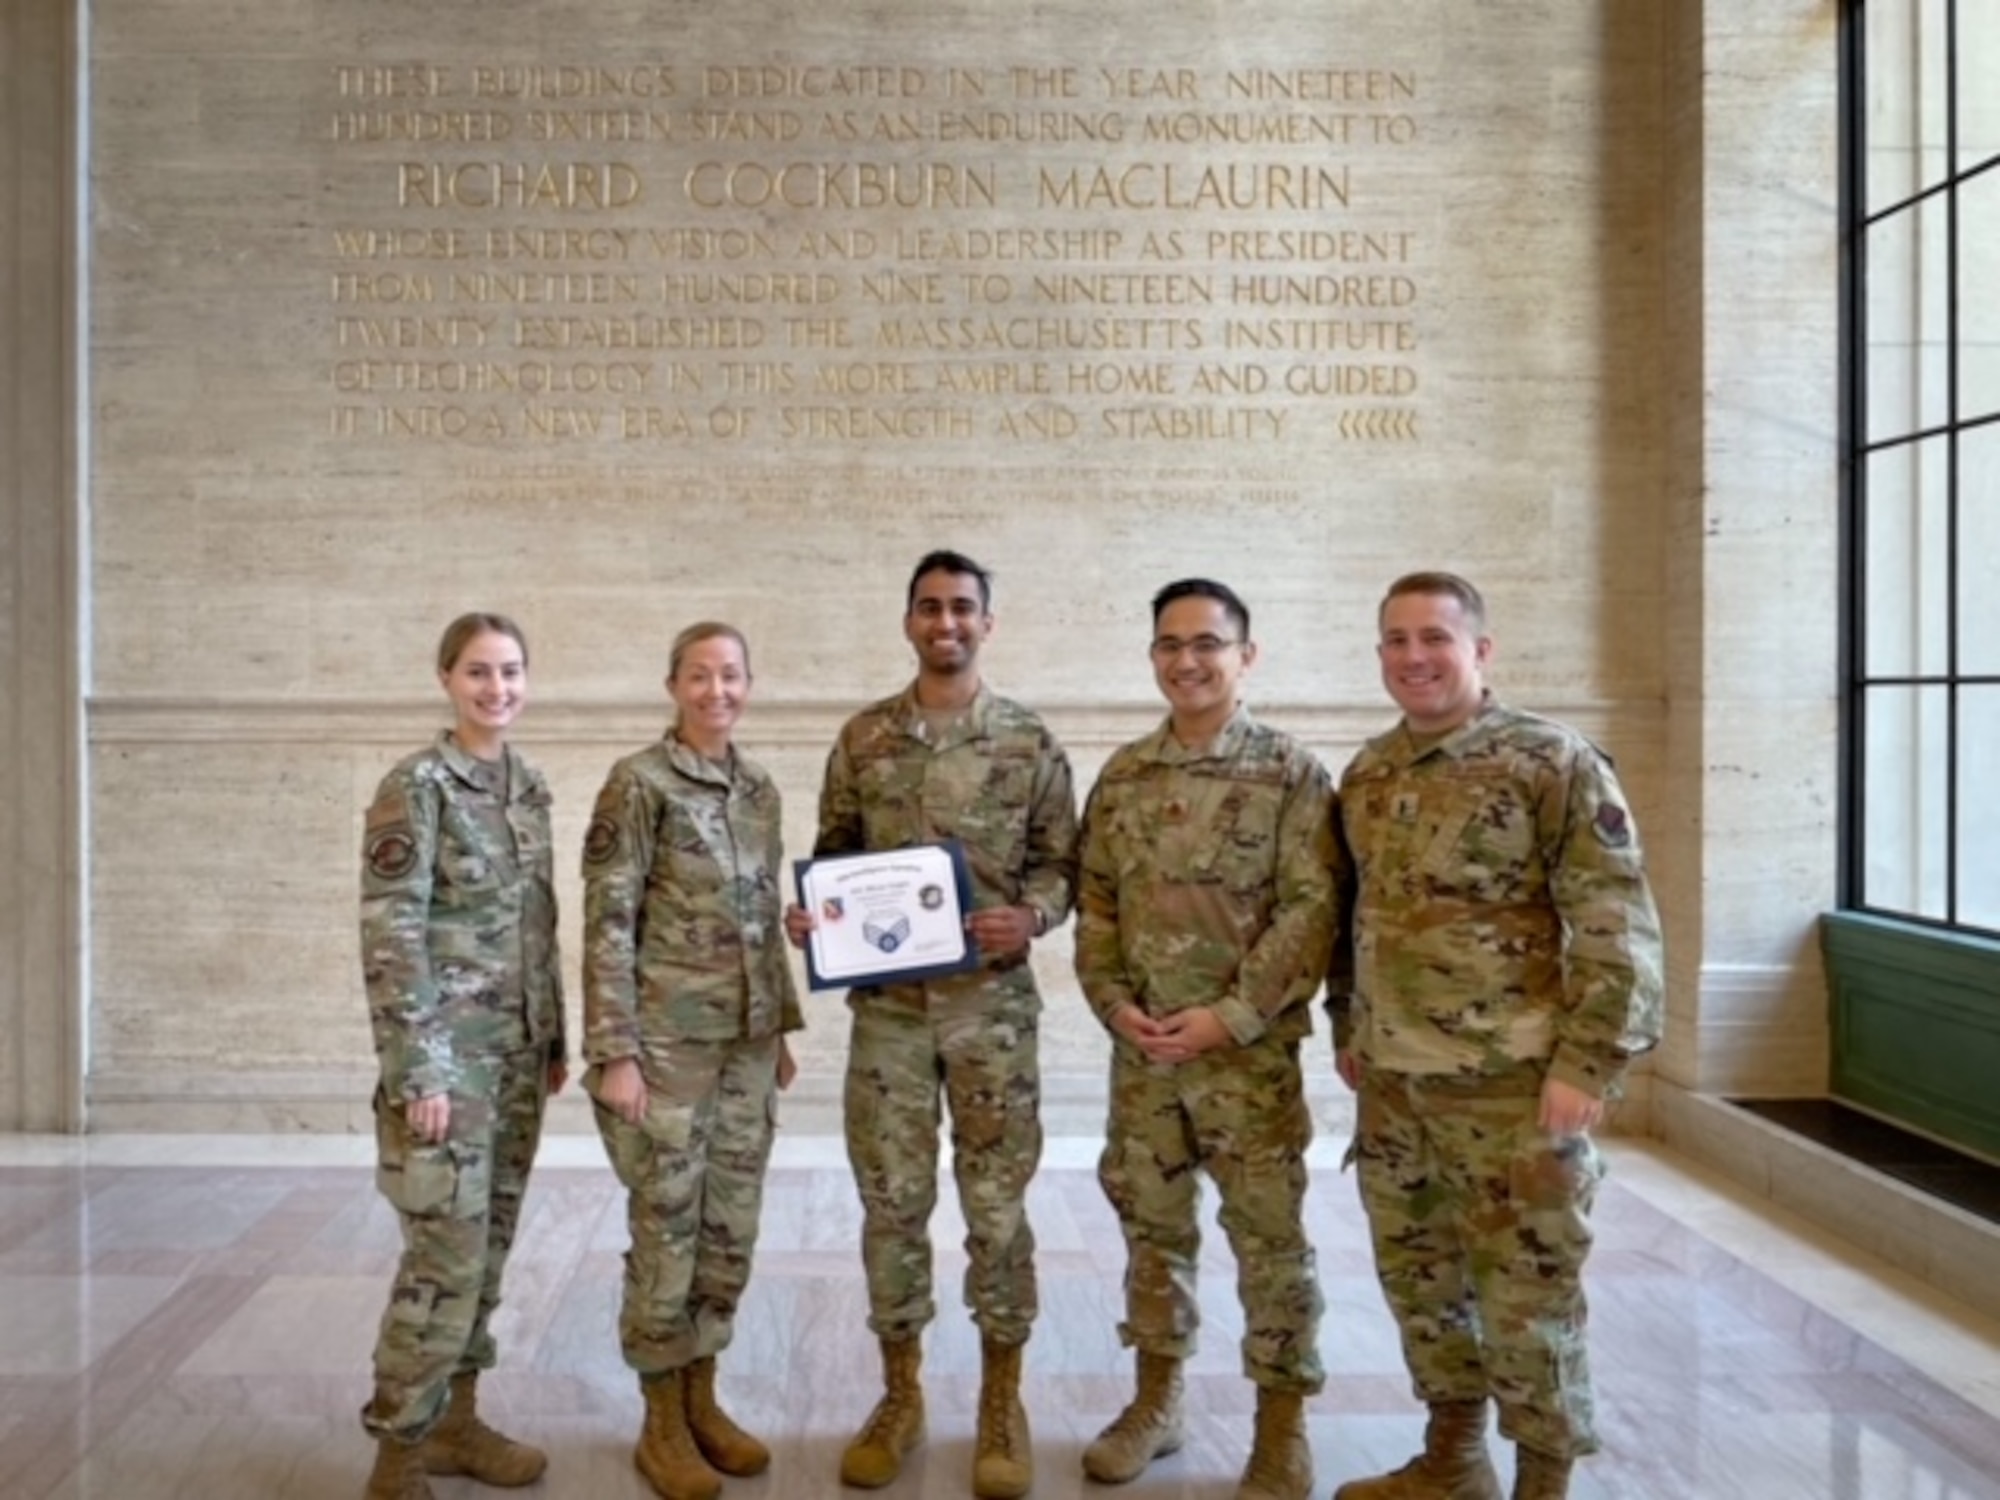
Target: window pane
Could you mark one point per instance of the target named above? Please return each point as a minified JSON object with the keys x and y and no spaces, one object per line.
{"x":1905,"y":534}
{"x":1903,"y":794}
{"x":1978,"y":100}
{"x":1908,"y":304}
{"x":1979,"y":806}
{"x":1979,"y":295}
{"x":1906,"y":98}
{"x":1979,"y":554}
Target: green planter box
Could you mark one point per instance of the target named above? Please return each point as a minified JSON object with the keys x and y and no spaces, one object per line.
{"x":1916,"y":1026}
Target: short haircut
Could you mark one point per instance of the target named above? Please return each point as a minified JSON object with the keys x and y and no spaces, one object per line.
{"x":1204,"y":588}
{"x":461,"y":631}
{"x":695,"y":634}
{"x":944,"y":560}
{"x":1449,"y":585}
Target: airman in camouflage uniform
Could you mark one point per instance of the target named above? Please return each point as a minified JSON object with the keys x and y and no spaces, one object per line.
{"x":686,"y":975}
{"x":949,"y":759}
{"x":1205,"y":914}
{"x":1505,"y":969}
{"x":458,"y":942}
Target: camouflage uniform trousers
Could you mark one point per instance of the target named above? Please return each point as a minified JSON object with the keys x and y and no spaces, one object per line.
{"x":459,"y":1201}
{"x":1240,"y":1115}
{"x":978,"y":1038}
{"x":1480,"y":1224}
{"x":693,"y":1172}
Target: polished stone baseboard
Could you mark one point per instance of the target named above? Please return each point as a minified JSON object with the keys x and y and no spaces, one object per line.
{"x":1943,"y":1246}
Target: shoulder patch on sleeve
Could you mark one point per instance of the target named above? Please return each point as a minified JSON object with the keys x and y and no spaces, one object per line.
{"x":601,"y":842}
{"x":1612,"y":827}
{"x":391,"y":852}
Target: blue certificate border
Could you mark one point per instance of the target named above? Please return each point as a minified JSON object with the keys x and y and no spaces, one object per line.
{"x":960,"y":878}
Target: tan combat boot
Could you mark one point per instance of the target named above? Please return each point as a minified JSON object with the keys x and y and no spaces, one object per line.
{"x":398,"y":1473}
{"x":1539,"y":1476}
{"x":666,"y":1454}
{"x":1003,"y":1463}
{"x":727,"y":1447}
{"x":1147,"y":1429}
{"x":1281,"y":1460}
{"x":462,"y":1444}
{"x":895,"y":1427}
{"x":1453,"y":1465}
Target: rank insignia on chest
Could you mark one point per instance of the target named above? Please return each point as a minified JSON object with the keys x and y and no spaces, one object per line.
{"x":1175,"y":810}
{"x":1404,"y":808}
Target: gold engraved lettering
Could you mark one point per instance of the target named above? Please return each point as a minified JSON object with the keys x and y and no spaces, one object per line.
{"x":1324,"y":291}
{"x":400,"y":244}
{"x":430,"y":126}
{"x":1346,"y":245}
{"x":543,"y":286}
{"x":863,"y":423}
{"x":713,"y":244}
{"x":1241,"y":128}
{"x":1320,"y":335}
{"x":792,"y":288}
{"x":1180,"y":424}
{"x":391,"y":81}
{"x":560,"y":244}
{"x":573,"y":186}
{"x":772,"y":81}
{"x":636,"y":331}
{"x":1086,"y":379}
{"x":1332,"y":85}
{"x":818,"y":333}
{"x":1149,"y":83}
{"x":840,"y":184}
{"x":903,"y":286}
{"x":749,"y":125}
{"x":1125,"y":288}
{"x":383,"y":286}
{"x":527,"y":81}
{"x":1238,"y":186}
{"x":554,"y":125}
{"x":863,"y":378}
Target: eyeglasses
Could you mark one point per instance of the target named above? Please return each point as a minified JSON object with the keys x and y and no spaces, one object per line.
{"x":1204,"y":647}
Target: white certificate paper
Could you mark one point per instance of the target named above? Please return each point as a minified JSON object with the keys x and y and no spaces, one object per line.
{"x":887,"y":917}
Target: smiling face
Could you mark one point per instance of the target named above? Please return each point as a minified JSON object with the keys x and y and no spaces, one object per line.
{"x":487,"y":683}
{"x":1433,"y":660}
{"x":1199,"y":659}
{"x":947,"y":623}
{"x":709,"y":686}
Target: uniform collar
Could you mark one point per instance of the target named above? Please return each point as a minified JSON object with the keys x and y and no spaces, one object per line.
{"x":974,"y":722}
{"x":484,"y":775}
{"x":1454,"y":744}
{"x":1162,"y":746}
{"x":692,"y":764}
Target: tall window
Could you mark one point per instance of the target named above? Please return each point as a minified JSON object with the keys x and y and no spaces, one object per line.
{"x":1922,"y":107}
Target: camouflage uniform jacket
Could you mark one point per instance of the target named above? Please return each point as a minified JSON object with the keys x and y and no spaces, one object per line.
{"x":997,"y":781}
{"x":683,"y":937}
{"x":458,"y":917}
{"x":1208,"y":879}
{"x":1502,"y":915}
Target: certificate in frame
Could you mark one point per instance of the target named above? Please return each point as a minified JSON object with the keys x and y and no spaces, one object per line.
{"x":890,"y":916}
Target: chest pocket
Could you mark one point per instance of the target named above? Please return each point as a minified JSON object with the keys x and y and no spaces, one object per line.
{"x":475,"y":851}
{"x":1228,"y":835}
{"x":1485,"y":848}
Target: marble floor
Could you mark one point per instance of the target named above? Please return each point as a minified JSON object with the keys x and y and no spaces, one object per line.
{"x":192,"y":1317}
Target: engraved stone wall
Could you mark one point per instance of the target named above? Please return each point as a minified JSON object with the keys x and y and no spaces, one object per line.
{"x":621,"y":315}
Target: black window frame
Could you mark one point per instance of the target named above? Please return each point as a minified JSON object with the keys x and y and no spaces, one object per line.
{"x":1858,"y":682}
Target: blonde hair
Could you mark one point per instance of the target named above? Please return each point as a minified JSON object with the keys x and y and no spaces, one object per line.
{"x":461,"y":631}
{"x":695,"y":634}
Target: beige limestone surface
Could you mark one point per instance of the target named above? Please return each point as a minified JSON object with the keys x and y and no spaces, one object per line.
{"x":615,"y":317}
